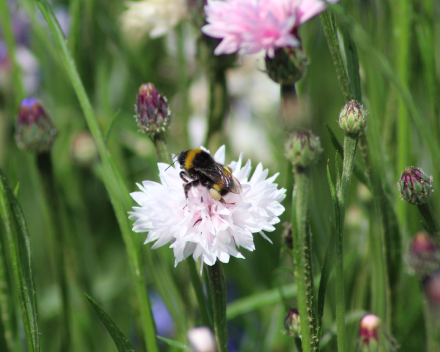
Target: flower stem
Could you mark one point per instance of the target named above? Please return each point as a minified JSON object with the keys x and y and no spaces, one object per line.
{"x":161,"y":149}
{"x":45,"y":169}
{"x":335,"y":52}
{"x":300,"y":206}
{"x":198,"y":289}
{"x":432,"y":326}
{"x":218,"y":102}
{"x":431,"y":221}
{"x":288,"y":98}
{"x":350,"y":145}
{"x":216,"y":280}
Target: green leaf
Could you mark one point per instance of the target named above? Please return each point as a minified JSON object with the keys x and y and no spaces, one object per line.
{"x":173,"y":343}
{"x":20,"y":252}
{"x":118,"y":337}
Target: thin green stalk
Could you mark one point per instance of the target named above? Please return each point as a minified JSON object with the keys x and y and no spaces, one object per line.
{"x":118,"y":195}
{"x":198,"y":289}
{"x":335,"y":52}
{"x":431,"y":221}
{"x":402,"y":33}
{"x":217,"y":284}
{"x":45,"y":169}
{"x":288,"y":97}
{"x":218,"y":102}
{"x":300,"y":204}
{"x":161,"y":149}
{"x":350,"y":145}
{"x":432,"y":327}
{"x":8,"y":35}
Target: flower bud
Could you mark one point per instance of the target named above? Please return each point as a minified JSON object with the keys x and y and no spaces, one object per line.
{"x":352,"y":117}
{"x":152,"y":112}
{"x":287,"y":66}
{"x":286,"y":236}
{"x":302,"y":148}
{"x":372,"y":337}
{"x":424,"y":257}
{"x":35,"y":131}
{"x":415,"y":187}
{"x":201,"y":339}
{"x":83,"y":149}
{"x":292,"y":323}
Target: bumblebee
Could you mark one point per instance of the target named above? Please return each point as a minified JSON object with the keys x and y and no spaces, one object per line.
{"x":202,"y":169}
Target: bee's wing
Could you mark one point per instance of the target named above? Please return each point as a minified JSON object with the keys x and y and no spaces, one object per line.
{"x":222,"y":175}
{"x":230,"y":183}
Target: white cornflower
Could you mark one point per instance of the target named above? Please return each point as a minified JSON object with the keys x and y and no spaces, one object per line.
{"x":202,"y":226}
{"x":153,"y":17}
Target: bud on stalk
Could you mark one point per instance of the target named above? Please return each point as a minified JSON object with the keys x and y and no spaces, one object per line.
{"x":152,"y":112}
{"x":352,"y":117}
{"x":415,"y":186}
{"x":35,"y":131}
{"x":302,"y":148}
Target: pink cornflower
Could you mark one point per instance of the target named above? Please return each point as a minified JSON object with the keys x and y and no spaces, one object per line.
{"x":254,"y":25}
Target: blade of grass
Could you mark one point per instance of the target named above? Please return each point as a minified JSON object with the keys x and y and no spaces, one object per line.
{"x":119,"y":199}
{"x":118,"y":337}
{"x":173,"y":343}
{"x":8,"y":36}
{"x":20,"y":253}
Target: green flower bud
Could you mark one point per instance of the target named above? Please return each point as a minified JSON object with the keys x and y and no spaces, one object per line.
{"x":424,"y":257}
{"x":415,"y":187}
{"x":302,"y":148}
{"x":152,"y":112}
{"x":287,"y":66}
{"x":292,"y":323}
{"x":352,"y":117}
{"x":35,"y":131}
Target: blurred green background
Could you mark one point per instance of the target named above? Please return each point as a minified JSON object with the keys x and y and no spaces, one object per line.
{"x":112,"y":67}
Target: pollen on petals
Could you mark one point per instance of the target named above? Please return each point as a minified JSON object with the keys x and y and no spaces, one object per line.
{"x":254,"y":25}
{"x":201,"y":226}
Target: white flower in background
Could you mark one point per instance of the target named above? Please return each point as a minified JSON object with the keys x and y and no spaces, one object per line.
{"x":153,"y":17}
{"x":200,"y":225}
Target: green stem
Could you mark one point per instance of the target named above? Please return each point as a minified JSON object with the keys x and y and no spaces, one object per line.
{"x":335,"y":52}
{"x":300,"y":205}
{"x":161,"y":149}
{"x":45,"y":169}
{"x":217,"y":284}
{"x":218,"y":102}
{"x":431,"y":221}
{"x":402,"y":32}
{"x":350,"y":145}
{"x":198,"y":289}
{"x":289,"y":98}
{"x":432,"y":327}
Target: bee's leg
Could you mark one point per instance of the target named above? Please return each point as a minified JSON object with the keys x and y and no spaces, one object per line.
{"x":188,"y":185}
{"x":182,"y":176}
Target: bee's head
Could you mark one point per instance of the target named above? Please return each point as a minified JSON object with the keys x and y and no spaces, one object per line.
{"x":181,"y":157}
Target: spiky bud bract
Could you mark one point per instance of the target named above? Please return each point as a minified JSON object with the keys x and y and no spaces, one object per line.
{"x":302,"y":148}
{"x":415,"y":186}
{"x":288,"y":65}
{"x":35,"y":131}
{"x":152,"y":112}
{"x":352,"y":117}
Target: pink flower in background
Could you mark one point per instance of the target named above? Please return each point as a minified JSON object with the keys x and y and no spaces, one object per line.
{"x":254,"y":25}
